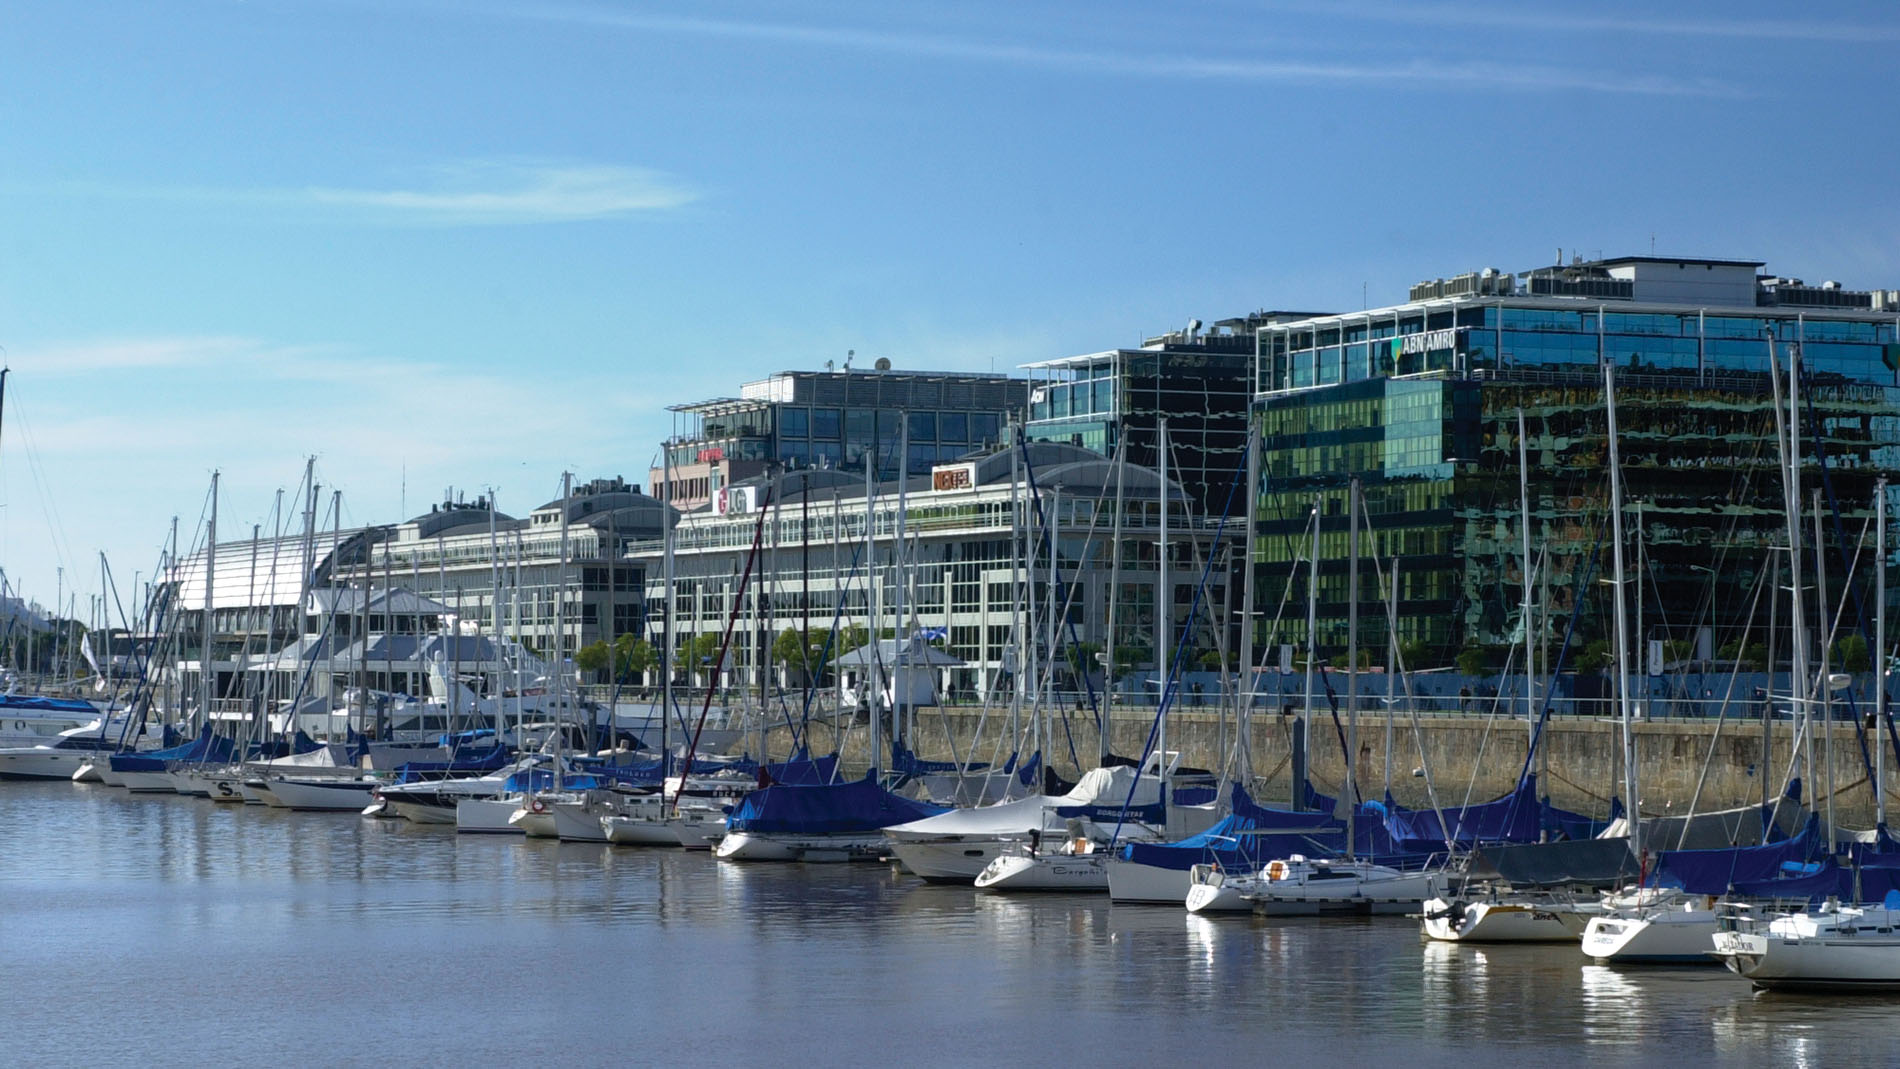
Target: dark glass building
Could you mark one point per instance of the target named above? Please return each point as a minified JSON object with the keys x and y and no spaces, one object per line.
{"x":1422,"y":403}
{"x":1197,"y":380}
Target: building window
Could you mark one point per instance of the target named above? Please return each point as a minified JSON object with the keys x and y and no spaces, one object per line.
{"x":923,"y":426}
{"x":794,"y":422}
{"x":953,"y":427}
{"x":825,"y":423}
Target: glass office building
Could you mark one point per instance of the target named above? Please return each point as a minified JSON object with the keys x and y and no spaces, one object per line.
{"x":839,"y":420}
{"x":1422,"y":402}
{"x":1197,"y":380}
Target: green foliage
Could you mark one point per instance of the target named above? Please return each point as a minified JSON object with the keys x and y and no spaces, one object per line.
{"x":1414,"y":654}
{"x":1754,"y":658}
{"x":802,"y":651}
{"x":1081,"y":657}
{"x":1597,"y":656}
{"x":1472,"y":660}
{"x":1851,"y":654}
{"x":592,"y":657}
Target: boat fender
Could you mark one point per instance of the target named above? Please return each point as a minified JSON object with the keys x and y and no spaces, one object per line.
{"x":538,"y":806}
{"x":1276,"y":870}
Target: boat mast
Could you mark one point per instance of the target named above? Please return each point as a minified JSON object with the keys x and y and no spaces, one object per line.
{"x":1352,"y":658}
{"x":900,"y":667}
{"x":1630,"y":799}
{"x":1530,"y":646}
{"x":1312,"y":654}
{"x":204,"y":653}
{"x":560,"y":624}
{"x":1114,"y":600}
{"x":1243,"y":716}
{"x":1824,"y":693}
{"x":666,"y":606}
{"x":1164,"y":601}
{"x":1880,"y":651}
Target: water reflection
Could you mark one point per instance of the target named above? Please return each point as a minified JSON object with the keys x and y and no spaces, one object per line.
{"x":490,"y":945}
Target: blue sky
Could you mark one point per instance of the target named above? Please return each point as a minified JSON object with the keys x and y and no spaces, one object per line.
{"x":472,"y":244}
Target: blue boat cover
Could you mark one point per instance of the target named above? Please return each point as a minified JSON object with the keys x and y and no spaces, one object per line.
{"x":1514,"y":818}
{"x":908,"y":763}
{"x":826,"y":809}
{"x":42,"y":704}
{"x":1713,"y":872}
{"x":1833,"y":881}
{"x":489,"y":760}
{"x":207,"y":748}
{"x":1237,"y":841}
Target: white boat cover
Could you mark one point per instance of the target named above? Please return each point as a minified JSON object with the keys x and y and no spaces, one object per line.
{"x":1101,"y":787}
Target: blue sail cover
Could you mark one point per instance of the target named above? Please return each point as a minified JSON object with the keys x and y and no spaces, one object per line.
{"x":1712,"y":872}
{"x":1833,"y":881}
{"x":802,"y":771}
{"x":908,"y":763}
{"x":854,"y":806}
{"x":207,"y":748}
{"x":1515,"y":818}
{"x":40,"y":704}
{"x":490,"y":760}
{"x":1248,"y":837}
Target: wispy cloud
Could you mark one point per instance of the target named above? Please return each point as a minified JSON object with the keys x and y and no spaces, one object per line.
{"x":508,"y":193}
{"x":1423,"y":72}
{"x":462,"y":194}
{"x":1632,"y":23}
{"x":145,"y":354}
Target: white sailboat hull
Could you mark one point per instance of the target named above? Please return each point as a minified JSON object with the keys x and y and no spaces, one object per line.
{"x":638,"y":831}
{"x":1678,"y":936}
{"x":322,"y":794}
{"x":697,"y":829}
{"x":1503,"y":921}
{"x":1210,"y":891}
{"x":1086,"y":873}
{"x":486,"y":815}
{"x":147,"y":782}
{"x":1134,"y":883}
{"x":577,"y":822}
{"x":950,"y":860}
{"x":1842,"y":962}
{"x":751,"y":846}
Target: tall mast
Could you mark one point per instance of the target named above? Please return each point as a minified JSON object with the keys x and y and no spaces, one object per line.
{"x":1880,"y":651}
{"x":1114,"y":602}
{"x":560,"y":627}
{"x":204,"y":653}
{"x":1164,"y":600}
{"x":666,"y":605}
{"x":1243,"y":717}
{"x":1530,"y":645}
{"x":1352,"y":660}
{"x":1630,"y":797}
{"x":1312,"y":654}
{"x":901,"y":667}
{"x":872,"y":613}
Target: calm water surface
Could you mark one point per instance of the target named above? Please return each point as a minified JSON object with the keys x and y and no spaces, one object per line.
{"x":166,"y":930}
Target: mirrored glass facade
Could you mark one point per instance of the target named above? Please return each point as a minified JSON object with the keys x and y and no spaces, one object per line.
{"x":1421,"y":402}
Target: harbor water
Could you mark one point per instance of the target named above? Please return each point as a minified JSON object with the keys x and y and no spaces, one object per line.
{"x":168,"y":930}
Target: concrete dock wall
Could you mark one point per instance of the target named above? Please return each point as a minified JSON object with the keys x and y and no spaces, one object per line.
{"x":1471,"y":757}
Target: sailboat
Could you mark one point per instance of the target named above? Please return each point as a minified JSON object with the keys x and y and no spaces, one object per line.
{"x":1838,"y":947}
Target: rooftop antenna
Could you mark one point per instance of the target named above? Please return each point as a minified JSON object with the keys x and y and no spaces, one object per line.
{"x":883,"y":363}
{"x":848,"y":354}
